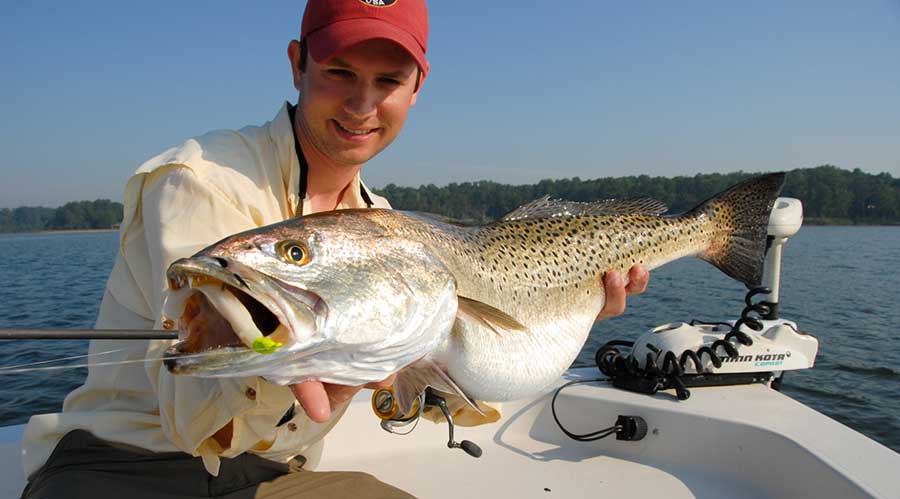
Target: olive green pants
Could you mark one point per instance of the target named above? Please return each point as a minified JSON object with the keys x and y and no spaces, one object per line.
{"x":84,"y":467}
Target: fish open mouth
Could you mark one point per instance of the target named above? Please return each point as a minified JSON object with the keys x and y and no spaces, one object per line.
{"x":216,"y":315}
{"x":216,"y":309}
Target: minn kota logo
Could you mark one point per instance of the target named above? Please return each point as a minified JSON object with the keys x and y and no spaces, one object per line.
{"x":378,"y":3}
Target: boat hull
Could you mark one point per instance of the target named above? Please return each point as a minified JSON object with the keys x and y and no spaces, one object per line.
{"x":740,"y":441}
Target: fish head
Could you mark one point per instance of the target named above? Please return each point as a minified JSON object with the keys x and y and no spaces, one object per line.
{"x":309,"y":294}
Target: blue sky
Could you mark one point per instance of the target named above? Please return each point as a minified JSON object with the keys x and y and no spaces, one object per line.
{"x":519,"y":91}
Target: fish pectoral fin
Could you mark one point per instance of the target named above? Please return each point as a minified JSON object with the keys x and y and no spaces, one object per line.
{"x":413,"y":379}
{"x":485,"y":315}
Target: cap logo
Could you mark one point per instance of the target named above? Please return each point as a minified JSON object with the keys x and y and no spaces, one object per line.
{"x":378,"y":3}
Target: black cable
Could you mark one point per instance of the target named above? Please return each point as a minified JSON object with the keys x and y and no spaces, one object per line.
{"x":625,"y":371}
{"x":586,"y":437}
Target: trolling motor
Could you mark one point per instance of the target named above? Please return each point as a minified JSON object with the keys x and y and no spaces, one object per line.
{"x":758,"y":347}
{"x":385,"y":406}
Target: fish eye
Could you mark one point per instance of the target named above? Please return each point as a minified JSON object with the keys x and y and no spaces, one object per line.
{"x":294,"y":252}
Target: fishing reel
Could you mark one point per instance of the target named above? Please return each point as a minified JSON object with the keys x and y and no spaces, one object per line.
{"x":385,"y":406}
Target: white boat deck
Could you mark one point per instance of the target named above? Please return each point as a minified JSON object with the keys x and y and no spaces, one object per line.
{"x":746,"y":441}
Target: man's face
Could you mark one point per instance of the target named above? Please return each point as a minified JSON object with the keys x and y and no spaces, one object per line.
{"x":354,"y":104}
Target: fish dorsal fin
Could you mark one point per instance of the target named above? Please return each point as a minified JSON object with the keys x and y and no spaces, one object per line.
{"x":413,"y":379}
{"x":434,"y":217}
{"x":549,"y":208}
{"x":485,"y":315}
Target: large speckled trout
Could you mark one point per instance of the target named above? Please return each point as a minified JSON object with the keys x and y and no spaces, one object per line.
{"x":494,"y":312}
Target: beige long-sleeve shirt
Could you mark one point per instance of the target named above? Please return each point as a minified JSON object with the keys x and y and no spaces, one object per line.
{"x":176,"y":204}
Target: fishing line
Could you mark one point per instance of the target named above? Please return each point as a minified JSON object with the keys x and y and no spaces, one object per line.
{"x":3,"y":368}
{"x":21,"y":369}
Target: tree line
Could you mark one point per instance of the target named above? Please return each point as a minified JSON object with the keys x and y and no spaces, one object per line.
{"x":77,"y":215}
{"x":830,"y":195}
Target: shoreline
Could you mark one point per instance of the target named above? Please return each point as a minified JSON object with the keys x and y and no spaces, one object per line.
{"x":72,"y":231}
{"x":62,"y":231}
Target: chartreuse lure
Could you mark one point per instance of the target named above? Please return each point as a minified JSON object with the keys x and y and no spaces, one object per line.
{"x":266,"y":345}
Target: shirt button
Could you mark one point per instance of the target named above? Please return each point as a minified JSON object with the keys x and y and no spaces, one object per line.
{"x":292,"y":427}
{"x":250,"y":393}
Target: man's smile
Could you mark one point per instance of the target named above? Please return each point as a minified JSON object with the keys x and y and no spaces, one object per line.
{"x":352,"y":132}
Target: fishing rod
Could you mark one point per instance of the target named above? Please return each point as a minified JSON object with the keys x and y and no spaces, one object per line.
{"x":87,"y":334}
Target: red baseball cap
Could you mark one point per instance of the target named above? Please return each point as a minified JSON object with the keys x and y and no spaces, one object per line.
{"x":332,"y":26}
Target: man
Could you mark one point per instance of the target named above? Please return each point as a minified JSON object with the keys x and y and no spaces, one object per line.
{"x":133,"y":427}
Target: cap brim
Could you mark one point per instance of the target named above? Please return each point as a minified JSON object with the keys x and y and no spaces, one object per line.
{"x":340,"y":36}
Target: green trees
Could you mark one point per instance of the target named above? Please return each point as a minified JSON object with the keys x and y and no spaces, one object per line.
{"x":99,"y":214}
{"x":829,"y":194}
{"x":24,"y":218}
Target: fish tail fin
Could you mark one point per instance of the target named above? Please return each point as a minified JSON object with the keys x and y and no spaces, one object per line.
{"x":741,"y":218}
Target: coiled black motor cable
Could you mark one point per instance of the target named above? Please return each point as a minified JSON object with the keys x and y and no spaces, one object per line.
{"x":626,"y":373}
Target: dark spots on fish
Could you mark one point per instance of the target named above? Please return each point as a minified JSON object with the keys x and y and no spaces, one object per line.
{"x":240,"y":280}
{"x":223,"y":262}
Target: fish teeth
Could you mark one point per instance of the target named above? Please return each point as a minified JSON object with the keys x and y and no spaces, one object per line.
{"x":197,"y":281}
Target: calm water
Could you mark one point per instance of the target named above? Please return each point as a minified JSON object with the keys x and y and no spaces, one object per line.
{"x":839,"y":283}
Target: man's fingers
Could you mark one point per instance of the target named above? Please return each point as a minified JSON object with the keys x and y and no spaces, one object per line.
{"x":615,"y":296}
{"x":314,"y":399}
{"x":638,"y":277}
{"x":319,"y":399}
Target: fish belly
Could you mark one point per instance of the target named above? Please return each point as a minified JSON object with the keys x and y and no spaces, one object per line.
{"x":511,"y":365}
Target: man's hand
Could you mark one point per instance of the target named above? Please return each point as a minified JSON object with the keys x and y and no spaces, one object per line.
{"x":616,"y":290}
{"x":319,"y":399}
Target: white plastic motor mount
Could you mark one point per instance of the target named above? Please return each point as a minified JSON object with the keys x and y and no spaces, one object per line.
{"x":779,"y":347}
{"x":786,"y":217}
{"x":785,"y":220}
